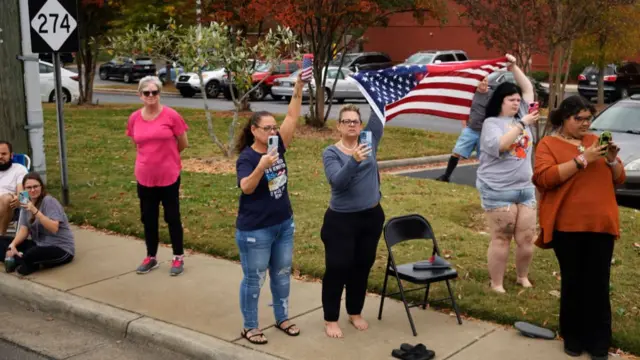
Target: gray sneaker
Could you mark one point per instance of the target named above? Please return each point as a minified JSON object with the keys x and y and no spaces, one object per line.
{"x":147,"y":265}
{"x":177,"y":266}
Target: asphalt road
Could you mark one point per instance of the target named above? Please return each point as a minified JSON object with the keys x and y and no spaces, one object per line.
{"x":463,"y":174}
{"x":27,"y":334}
{"x":425,"y":122}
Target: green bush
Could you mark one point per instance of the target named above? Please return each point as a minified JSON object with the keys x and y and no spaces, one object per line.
{"x":540,"y":76}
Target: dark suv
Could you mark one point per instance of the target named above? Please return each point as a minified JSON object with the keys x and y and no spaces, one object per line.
{"x":127,"y":69}
{"x":363,"y":61}
{"x":620,"y":81}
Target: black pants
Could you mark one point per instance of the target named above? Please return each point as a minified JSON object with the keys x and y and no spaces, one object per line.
{"x":34,"y":257}
{"x":150,"y":199}
{"x":585,"y":309}
{"x":350,"y":243}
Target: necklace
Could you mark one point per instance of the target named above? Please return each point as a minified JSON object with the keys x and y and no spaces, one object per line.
{"x":348,"y":148}
{"x":580,"y":147}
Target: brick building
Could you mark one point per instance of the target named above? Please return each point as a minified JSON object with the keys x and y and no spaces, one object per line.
{"x":404,"y":36}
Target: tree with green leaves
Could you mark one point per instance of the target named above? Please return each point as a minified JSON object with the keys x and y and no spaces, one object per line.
{"x":212,"y":46}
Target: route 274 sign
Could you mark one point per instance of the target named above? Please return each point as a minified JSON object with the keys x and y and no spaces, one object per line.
{"x":54,"y":26}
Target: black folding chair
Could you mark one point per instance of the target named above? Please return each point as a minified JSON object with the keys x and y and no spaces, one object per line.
{"x":414,"y":227}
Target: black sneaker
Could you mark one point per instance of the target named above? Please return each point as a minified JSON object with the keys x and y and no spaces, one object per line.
{"x":443,"y":178}
{"x":147,"y":265}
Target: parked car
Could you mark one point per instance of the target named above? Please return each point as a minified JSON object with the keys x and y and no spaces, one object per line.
{"x":284,"y":69}
{"x":70,"y":88}
{"x":498,"y":77}
{"x":622,"y":119}
{"x":176,"y":70}
{"x":127,"y":69}
{"x":435,"y":57}
{"x":345,"y":89}
{"x":188,"y":84}
{"x":619,"y":81}
{"x":363,"y":61}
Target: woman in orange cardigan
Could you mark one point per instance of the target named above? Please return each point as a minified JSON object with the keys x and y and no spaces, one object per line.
{"x":579,"y":219}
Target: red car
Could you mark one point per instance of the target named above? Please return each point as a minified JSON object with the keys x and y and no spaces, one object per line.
{"x":284,"y":69}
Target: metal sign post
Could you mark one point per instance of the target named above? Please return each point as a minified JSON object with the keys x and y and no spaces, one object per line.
{"x":54,"y":30}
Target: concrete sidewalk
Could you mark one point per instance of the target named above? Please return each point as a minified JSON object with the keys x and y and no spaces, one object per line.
{"x":197,"y":313}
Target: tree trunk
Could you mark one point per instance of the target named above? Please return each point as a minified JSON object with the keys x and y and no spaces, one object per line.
{"x":601,"y":66}
{"x":569,"y":55}
{"x":167,"y":79}
{"x":212,"y":134}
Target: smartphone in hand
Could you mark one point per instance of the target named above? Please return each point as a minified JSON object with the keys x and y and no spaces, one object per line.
{"x":24,"y":197}
{"x":533,"y":106}
{"x":365,"y":138}
{"x":605,"y":138}
{"x":272,"y":144}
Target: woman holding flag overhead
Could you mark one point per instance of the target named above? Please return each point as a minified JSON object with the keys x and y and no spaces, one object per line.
{"x":353,"y":222}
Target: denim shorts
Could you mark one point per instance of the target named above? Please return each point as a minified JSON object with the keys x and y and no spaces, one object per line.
{"x":494,"y":199}
{"x":467,"y":141}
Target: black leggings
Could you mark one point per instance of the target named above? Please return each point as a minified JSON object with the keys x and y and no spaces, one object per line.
{"x":34,"y":256}
{"x":350,"y":243}
{"x":585,"y":309}
{"x":150,"y":199}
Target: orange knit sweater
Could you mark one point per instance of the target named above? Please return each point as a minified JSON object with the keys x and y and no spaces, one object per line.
{"x":586,"y":202}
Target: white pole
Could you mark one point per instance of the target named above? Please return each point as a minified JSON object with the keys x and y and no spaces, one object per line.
{"x":35,"y":118}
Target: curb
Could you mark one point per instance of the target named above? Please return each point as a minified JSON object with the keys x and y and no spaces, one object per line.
{"x":425,"y":160}
{"x":122,"y":323}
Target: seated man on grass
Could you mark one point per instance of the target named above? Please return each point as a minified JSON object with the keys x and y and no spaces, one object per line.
{"x":11,"y":176}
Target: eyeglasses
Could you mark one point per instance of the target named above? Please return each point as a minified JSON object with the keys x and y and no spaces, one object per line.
{"x":350,"y":122}
{"x":583,"y":119}
{"x":269,"y":128}
{"x":31,"y":188}
{"x":150,"y":93}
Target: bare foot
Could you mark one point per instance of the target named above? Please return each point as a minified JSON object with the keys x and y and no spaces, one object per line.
{"x":332,"y":329}
{"x":499,"y":289}
{"x":358,"y":322}
{"x":524,"y":282}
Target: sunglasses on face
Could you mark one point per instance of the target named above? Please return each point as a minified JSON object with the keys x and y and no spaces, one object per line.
{"x":350,"y":122}
{"x":269,"y":128}
{"x":150,"y":93}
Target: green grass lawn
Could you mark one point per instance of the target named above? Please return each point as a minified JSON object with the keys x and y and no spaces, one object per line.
{"x":102,"y":188}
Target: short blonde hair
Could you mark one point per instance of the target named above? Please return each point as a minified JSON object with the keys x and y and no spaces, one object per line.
{"x":349,"y":107}
{"x":147,"y":80}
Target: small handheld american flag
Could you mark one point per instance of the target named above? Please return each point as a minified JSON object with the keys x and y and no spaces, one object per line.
{"x":307,"y":68}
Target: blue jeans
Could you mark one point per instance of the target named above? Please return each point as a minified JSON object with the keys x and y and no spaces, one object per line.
{"x":268,"y":248}
{"x":493,"y":199}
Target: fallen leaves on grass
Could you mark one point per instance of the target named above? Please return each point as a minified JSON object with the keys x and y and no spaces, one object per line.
{"x":555,"y":293}
{"x":217,"y":165}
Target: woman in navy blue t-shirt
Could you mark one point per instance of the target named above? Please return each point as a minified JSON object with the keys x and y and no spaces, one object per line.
{"x":264,"y":227}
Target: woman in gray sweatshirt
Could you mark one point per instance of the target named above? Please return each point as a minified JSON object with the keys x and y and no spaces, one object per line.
{"x":354,"y":220}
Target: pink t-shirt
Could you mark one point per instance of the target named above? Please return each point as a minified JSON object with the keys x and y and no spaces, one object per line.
{"x":157,"y":159}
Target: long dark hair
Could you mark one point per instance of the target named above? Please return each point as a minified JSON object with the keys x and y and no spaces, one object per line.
{"x":246,"y":136}
{"x":43,"y":189}
{"x":502,"y":91}
{"x":569,"y":107}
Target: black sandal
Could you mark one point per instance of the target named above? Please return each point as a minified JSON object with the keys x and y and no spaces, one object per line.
{"x":245,"y":334}
{"x":287,"y":330}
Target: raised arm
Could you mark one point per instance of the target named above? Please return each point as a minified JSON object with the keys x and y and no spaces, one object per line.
{"x":293,"y":114}
{"x":376,"y":127}
{"x":521,"y":79}
{"x":339,"y":176}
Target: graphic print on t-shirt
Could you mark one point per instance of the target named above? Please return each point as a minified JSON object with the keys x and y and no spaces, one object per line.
{"x":277,"y":178}
{"x":520,"y":146}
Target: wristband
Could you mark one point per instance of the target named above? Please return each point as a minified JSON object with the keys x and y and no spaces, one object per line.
{"x":524,"y":126}
{"x":578,"y":165}
{"x":584,"y":160}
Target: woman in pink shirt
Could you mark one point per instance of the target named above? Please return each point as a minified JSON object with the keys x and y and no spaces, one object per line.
{"x":160,"y":134}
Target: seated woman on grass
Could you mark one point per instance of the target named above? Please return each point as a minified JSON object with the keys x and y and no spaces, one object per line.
{"x":44,"y":219}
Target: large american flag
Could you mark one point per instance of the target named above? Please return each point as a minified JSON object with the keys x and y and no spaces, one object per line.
{"x":444,"y":90}
{"x":307,"y":69}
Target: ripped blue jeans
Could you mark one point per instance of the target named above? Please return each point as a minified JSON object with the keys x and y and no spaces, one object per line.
{"x":268,"y":248}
